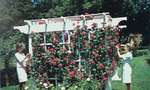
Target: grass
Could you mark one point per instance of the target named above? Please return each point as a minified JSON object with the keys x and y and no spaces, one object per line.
{"x":1,"y":64}
{"x":12,"y":62}
{"x":140,"y":76}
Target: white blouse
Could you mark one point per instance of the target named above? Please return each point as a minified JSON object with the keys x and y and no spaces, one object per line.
{"x":127,"y":58}
{"x":20,"y":57}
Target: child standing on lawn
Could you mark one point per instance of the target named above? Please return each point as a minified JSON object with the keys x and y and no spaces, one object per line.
{"x":127,"y":69}
{"x":22,"y":60}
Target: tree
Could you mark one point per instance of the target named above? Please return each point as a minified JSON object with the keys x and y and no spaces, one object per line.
{"x":119,"y":7}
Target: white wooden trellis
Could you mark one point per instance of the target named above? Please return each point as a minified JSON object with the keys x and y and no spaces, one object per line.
{"x":65,"y":24}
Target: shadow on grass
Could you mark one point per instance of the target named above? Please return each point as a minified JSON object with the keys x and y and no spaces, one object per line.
{"x":8,"y":77}
{"x":148,"y":61}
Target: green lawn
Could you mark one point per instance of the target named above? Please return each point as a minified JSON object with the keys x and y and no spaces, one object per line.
{"x":140,"y":80}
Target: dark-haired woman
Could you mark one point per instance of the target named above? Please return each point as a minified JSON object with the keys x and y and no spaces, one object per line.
{"x":127,"y":69}
{"x":21,"y":59}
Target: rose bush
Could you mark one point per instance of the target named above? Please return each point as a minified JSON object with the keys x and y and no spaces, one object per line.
{"x":90,"y":54}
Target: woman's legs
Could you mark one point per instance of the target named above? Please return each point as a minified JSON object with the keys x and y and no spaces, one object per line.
{"x":128,"y":86}
{"x":22,"y":86}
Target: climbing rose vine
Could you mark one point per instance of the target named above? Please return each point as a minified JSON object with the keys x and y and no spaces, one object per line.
{"x":90,"y":54}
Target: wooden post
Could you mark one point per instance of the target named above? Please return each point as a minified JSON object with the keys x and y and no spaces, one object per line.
{"x":64,"y":29}
{"x":30,"y":45}
{"x":45,"y":37}
{"x":30,"y":41}
{"x":104,"y":20}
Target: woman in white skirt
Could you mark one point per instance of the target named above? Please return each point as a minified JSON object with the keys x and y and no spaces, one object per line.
{"x":127,"y":69}
{"x":21,"y":65}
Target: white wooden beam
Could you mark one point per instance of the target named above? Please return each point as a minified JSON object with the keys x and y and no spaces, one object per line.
{"x":57,"y":24}
{"x":116,"y":21}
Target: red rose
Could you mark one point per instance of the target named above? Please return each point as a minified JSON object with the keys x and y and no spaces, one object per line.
{"x":63,"y":49}
{"x":55,"y":59}
{"x":92,"y":36}
{"x":110,"y":50}
{"x":105,"y":77}
{"x":66,"y":36}
{"x":60,"y":65}
{"x":72,"y":74}
{"x":73,"y":62}
{"x":41,"y":22}
{"x":50,"y":49}
{"x":95,"y":53}
{"x":118,"y":46}
{"x":110,"y":37}
{"x":70,"y":53}
{"x":92,"y":62}
{"x":117,"y":33}
{"x":84,"y":42}
{"x":100,"y":46}
{"x":53,"y":62}
{"x":65,"y":59}
{"x":83,"y":33}
{"x":94,"y":25}
{"x":101,"y":66}
{"x":114,"y":64}
{"x":80,"y":75}
{"x":91,"y":46}
{"x":55,"y":40}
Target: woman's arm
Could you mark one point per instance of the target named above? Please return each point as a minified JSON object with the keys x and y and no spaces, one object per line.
{"x":24,"y":59}
{"x":29,"y":56}
{"x":29,"y":59}
{"x":19,"y":61}
{"x":118,"y":52}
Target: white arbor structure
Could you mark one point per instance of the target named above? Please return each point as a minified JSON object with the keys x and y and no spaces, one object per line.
{"x":67,"y":23}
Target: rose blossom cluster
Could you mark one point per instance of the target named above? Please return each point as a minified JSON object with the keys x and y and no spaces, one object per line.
{"x":95,"y":47}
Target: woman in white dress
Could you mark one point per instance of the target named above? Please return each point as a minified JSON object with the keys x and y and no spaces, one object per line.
{"x":21,"y":65}
{"x":127,"y":69}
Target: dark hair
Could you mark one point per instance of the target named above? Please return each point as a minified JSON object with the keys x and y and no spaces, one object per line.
{"x":19,"y":46}
{"x":126,"y":46}
{"x":129,"y":47}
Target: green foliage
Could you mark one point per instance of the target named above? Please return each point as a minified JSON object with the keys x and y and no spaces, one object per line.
{"x":8,"y":41}
{"x":86,"y":85}
{"x":142,"y":6}
{"x":87,"y":5}
{"x":128,"y":8}
{"x":119,"y":7}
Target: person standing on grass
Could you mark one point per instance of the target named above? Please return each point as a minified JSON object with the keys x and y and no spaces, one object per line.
{"x":127,"y":69}
{"x":22,"y":60}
